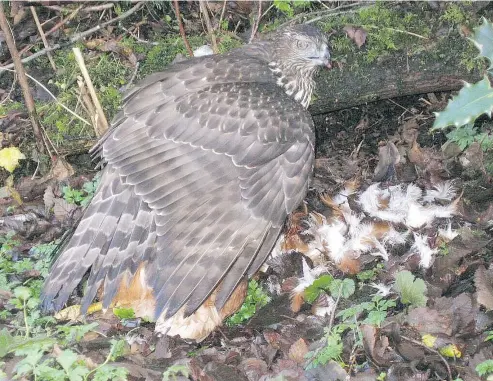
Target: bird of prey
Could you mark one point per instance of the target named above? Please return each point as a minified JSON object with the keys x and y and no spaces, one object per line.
{"x":203,"y":164}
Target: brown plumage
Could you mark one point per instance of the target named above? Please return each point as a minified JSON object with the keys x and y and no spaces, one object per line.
{"x":203,"y":164}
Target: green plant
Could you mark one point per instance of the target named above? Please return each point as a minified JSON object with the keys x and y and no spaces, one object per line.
{"x":410,"y":289}
{"x":81,"y":196}
{"x":8,"y":242}
{"x":174,"y":370}
{"x":485,"y":368}
{"x":255,"y":299}
{"x":472,"y":100}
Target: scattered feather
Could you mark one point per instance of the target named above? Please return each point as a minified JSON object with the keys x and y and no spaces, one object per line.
{"x":426,"y":253}
{"x":448,"y":234}
{"x":382,"y":289}
{"x":443,"y":192}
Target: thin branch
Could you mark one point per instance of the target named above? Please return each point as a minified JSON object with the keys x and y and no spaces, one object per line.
{"x":97,"y":8}
{"x":99,"y":110}
{"x":182,"y":29}
{"x":43,"y":37}
{"x":449,"y":371}
{"x":208,"y":24}
{"x":222,"y":13}
{"x":78,"y":36}
{"x":257,"y":22}
{"x":9,"y":40}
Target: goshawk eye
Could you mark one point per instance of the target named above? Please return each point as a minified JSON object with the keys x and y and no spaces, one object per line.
{"x":302,"y":44}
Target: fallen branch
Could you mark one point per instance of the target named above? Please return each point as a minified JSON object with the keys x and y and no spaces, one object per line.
{"x":78,"y":36}
{"x":182,"y":29}
{"x":33,"y":116}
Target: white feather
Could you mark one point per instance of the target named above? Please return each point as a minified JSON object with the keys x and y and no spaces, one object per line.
{"x":426,"y":253}
{"x":443,"y":191}
{"x":448,"y":234}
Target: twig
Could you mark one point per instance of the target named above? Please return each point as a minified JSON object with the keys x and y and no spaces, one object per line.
{"x":208,"y":24}
{"x":222,"y":14}
{"x":78,"y":36}
{"x":9,"y":40}
{"x":257,"y":22}
{"x":432,"y":351}
{"x":55,"y":98}
{"x":63,"y":21}
{"x":99,"y":110}
{"x":182,"y":29}
{"x":396,"y":30}
{"x":43,"y":37}
{"x":324,"y":12}
{"x":97,"y":8}
{"x":12,"y":87}
{"x":138,"y":39}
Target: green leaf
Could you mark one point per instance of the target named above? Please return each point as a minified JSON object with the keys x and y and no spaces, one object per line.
{"x":412,"y":291}
{"x":66,"y":359}
{"x":472,"y":101}
{"x":311,"y":293}
{"x":484,"y":368}
{"x":124,"y":313}
{"x":117,"y":349}
{"x":108,"y":372}
{"x":323,"y":282}
{"x":344,"y":287}
{"x":483,"y":39}
{"x":22,"y":293}
{"x":6,"y":340}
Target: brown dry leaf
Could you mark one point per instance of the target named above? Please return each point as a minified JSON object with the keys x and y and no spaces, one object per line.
{"x":428,"y":320}
{"x":375,"y":344}
{"x":483,"y":279}
{"x":297,"y":301}
{"x":363,"y":124}
{"x":62,"y":208}
{"x":61,"y":169}
{"x":254,"y":368}
{"x":388,"y":158}
{"x":298,"y":351}
{"x":358,"y":35}
{"x":417,"y":156}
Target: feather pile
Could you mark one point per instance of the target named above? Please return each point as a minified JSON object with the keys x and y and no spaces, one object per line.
{"x":379,"y":219}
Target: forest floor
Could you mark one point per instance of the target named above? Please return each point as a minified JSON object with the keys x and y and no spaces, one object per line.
{"x":405,"y":295}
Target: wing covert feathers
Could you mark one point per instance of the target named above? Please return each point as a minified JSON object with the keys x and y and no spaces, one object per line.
{"x":202,"y":169}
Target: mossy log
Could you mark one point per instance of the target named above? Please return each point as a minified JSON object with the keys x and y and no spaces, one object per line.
{"x":440,"y":60}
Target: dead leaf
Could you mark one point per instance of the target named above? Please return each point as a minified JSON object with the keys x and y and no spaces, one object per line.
{"x":358,"y":35}
{"x":388,"y":158}
{"x":298,"y":351}
{"x":61,"y":169}
{"x":254,"y":368}
{"x":375,"y":344}
{"x":483,"y":279}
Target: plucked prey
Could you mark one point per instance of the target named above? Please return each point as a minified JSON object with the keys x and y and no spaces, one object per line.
{"x":203,"y":164}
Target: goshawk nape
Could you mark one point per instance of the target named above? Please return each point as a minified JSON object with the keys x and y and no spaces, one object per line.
{"x":203,"y":164}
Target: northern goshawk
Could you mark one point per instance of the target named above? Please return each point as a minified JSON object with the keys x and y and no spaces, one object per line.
{"x":203,"y":164}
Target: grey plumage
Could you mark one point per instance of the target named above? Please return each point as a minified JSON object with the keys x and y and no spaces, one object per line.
{"x":203,"y":164}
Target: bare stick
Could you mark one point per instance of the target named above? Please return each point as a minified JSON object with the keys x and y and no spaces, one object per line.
{"x":256,"y":24}
{"x":102,"y":122}
{"x":43,"y":37}
{"x":78,"y":36}
{"x":208,"y":24}
{"x":9,"y":40}
{"x":182,"y":29}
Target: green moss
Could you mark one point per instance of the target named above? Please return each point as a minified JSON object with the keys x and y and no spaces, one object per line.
{"x":454,"y":14}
